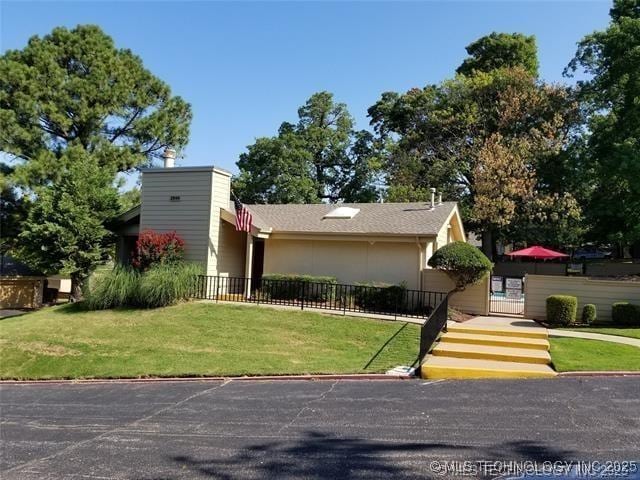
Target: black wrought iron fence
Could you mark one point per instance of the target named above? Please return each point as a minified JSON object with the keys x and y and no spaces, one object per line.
{"x":393,"y":300}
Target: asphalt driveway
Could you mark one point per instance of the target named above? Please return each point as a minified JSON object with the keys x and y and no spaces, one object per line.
{"x":304,"y":429}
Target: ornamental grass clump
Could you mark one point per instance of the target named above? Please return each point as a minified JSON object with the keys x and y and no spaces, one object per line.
{"x":167,"y":284}
{"x":117,"y":288}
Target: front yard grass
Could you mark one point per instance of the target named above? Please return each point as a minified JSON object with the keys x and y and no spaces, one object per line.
{"x":577,"y":354}
{"x":196,"y":339}
{"x":633,"y":332}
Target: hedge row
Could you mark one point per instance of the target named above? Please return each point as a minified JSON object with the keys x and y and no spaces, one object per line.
{"x":562,"y":309}
{"x":309,"y":288}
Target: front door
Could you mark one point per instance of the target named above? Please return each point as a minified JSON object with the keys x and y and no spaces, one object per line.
{"x":258,"y":262}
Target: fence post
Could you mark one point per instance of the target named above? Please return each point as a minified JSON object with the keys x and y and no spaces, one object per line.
{"x":301,"y":295}
{"x":395,"y":307}
{"x":344,"y":301}
{"x":217,"y":288}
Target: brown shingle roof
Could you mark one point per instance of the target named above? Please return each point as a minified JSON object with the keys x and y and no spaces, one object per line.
{"x":373,"y":218}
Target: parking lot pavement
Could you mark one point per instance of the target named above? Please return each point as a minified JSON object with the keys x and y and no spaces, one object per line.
{"x":310,"y":429}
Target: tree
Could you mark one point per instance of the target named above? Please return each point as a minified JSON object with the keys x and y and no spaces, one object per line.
{"x":64,"y":230}
{"x":462,"y":262}
{"x":321,"y":158}
{"x":12,"y":211}
{"x":501,"y":50}
{"x":75,"y":88}
{"x":129,"y":199}
{"x":487,"y":140}
{"x":612,"y":94}
{"x":75,"y":111}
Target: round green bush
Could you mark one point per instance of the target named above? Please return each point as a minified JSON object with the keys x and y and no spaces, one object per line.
{"x":561,"y":309}
{"x":464,"y":263}
{"x":625,"y":313}
{"x":589,"y":313}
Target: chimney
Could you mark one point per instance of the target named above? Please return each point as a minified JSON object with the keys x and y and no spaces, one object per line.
{"x":440,"y":198}
{"x":433,"y":198}
{"x":169,"y":156}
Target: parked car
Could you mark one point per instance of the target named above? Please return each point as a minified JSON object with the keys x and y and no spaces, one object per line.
{"x":590,"y":252}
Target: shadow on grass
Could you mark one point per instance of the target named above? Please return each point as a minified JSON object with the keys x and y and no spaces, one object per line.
{"x":320,"y":455}
{"x":79,"y":307}
{"x":401,"y":338}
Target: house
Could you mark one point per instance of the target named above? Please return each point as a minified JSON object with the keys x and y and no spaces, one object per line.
{"x":359,"y":242}
{"x":20,"y":286}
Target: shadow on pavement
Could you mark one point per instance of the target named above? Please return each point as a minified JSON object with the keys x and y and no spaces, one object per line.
{"x":322,"y":456}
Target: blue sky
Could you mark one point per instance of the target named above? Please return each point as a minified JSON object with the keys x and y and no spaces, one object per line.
{"x":245,"y":67}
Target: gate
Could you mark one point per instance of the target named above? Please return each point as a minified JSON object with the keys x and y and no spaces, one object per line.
{"x":507,"y":295}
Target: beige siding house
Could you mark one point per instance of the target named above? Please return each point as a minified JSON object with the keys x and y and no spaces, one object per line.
{"x":371,"y":242}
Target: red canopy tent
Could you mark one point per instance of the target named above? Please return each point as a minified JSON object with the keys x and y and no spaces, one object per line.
{"x":537,"y":252}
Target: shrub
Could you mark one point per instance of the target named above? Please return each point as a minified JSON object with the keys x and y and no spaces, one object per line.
{"x":117,"y":288}
{"x":464,"y":263}
{"x":589,"y":313}
{"x":154,"y":248}
{"x":167,"y":284}
{"x":292,"y":286}
{"x":561,"y":309}
{"x":381,"y":297}
{"x":625,"y":313}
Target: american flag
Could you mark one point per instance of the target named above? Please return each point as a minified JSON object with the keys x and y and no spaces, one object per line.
{"x":243,"y":216}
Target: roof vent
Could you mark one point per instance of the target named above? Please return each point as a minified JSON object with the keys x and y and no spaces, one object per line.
{"x":342,"y":212}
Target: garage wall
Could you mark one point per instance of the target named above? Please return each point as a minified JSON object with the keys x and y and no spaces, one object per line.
{"x":473,"y":300}
{"x":602,"y":293}
{"x":349,"y":261}
{"x":21,"y":292}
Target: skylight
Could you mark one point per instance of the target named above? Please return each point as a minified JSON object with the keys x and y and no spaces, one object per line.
{"x":342,"y":212}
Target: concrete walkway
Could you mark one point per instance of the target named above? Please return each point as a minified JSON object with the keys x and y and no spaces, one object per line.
{"x":553,"y":333}
{"x":596,"y":336}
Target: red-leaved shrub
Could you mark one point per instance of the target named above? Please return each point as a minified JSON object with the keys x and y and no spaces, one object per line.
{"x":153,"y":248}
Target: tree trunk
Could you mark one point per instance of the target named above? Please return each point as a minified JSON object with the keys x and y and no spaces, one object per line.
{"x":487,"y":244}
{"x":76,"y":288}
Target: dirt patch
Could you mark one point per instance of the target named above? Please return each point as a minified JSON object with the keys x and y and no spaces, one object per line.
{"x":458,"y":316}
{"x":42,"y":348}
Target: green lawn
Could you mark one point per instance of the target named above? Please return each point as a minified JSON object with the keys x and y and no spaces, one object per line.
{"x":574,"y":354}
{"x":633,"y":332}
{"x":198,"y":339}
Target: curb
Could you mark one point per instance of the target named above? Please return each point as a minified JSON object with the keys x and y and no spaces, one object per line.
{"x":596,"y":373}
{"x":265,"y":378}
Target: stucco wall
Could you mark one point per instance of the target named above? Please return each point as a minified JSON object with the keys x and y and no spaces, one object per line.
{"x":349,"y":261}
{"x":219,"y":255}
{"x":602,"y":293}
{"x":21,"y":292}
{"x":231,"y":250}
{"x":474,"y":299}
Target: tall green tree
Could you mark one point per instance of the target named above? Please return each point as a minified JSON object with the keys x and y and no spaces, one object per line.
{"x":501,"y":50}
{"x":320,"y":158}
{"x":75,"y":88}
{"x":64,"y":230}
{"x":612,"y":94}
{"x":462,"y":135}
{"x":74,"y":111}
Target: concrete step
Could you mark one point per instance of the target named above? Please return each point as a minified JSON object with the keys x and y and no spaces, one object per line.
{"x":490,"y":352}
{"x":528,"y":332}
{"x":436,"y":367}
{"x":495,"y":340}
